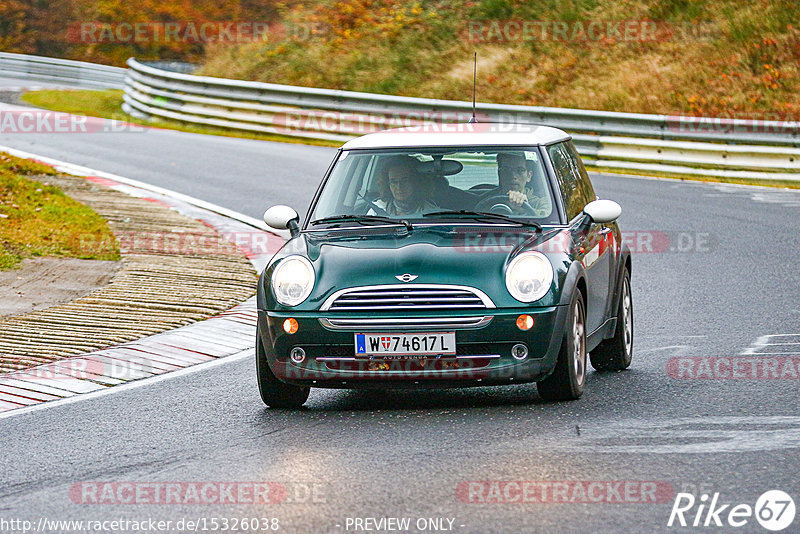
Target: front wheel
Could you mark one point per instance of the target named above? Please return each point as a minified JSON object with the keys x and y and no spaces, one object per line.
{"x":569,"y":376}
{"x":616,"y":353}
{"x":274,"y":393}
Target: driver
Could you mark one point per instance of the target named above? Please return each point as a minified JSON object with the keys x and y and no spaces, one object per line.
{"x":514,"y":177}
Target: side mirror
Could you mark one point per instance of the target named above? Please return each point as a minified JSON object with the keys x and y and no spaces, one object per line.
{"x":603,"y":211}
{"x":282,"y":217}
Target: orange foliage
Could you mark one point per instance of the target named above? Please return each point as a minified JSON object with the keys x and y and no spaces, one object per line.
{"x":53,"y":27}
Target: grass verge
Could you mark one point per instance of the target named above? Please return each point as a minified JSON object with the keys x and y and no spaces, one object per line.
{"x":108,"y":105}
{"x":38,"y":219}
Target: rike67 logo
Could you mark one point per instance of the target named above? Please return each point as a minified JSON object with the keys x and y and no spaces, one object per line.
{"x":774,"y":510}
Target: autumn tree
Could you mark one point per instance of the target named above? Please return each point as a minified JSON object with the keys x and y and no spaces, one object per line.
{"x":72,"y":28}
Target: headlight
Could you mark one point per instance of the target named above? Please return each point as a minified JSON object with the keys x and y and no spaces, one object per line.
{"x":529,"y":276}
{"x":292,"y":280}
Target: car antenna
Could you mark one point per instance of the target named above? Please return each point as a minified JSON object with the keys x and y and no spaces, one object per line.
{"x":473,"y":120}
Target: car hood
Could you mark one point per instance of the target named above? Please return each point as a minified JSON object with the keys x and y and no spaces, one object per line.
{"x":456,"y":255}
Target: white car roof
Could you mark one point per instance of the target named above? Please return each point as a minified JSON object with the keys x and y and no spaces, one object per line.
{"x":463,"y":134}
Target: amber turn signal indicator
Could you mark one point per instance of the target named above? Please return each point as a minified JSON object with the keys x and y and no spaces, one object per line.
{"x":290,"y":325}
{"x":524,"y":322}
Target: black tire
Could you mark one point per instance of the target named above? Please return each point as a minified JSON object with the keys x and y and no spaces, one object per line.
{"x":569,"y":377}
{"x":274,"y":393}
{"x":616,"y":353}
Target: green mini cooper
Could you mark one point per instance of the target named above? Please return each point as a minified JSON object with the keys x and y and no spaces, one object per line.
{"x":474,"y":255}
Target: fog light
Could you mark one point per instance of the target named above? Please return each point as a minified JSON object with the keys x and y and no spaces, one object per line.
{"x":524,"y":322}
{"x":519,"y":351}
{"x":290,"y":326}
{"x":298,"y":355}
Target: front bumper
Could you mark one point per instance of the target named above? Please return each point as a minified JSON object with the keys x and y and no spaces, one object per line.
{"x":483,"y":352}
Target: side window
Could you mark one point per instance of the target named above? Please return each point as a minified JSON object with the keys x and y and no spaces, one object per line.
{"x":580,"y":170}
{"x":569,"y":179}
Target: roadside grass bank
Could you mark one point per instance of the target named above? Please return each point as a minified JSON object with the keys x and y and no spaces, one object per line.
{"x":38,"y":219}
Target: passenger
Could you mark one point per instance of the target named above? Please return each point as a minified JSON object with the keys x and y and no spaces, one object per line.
{"x":402,"y":189}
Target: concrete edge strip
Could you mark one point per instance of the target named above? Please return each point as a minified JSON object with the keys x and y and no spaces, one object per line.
{"x":160,"y":356}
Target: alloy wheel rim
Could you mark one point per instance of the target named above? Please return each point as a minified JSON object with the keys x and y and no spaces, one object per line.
{"x":579,"y":352}
{"x":627,"y":317}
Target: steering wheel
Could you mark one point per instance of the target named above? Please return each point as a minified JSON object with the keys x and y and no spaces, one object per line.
{"x":482,"y":187}
{"x":500,"y":204}
{"x":378,"y":210}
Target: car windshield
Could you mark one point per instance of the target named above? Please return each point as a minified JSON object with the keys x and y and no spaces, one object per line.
{"x":410,"y":183}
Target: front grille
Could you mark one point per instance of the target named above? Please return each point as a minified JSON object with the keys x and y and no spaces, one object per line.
{"x":408,"y":298}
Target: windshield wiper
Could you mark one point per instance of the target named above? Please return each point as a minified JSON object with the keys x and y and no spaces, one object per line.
{"x":483,"y":215}
{"x":362,"y":219}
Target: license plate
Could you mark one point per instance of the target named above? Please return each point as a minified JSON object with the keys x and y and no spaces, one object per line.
{"x":409,"y":345}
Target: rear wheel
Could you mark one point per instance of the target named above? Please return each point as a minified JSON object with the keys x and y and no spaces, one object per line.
{"x":569,"y":376}
{"x":615,"y":354}
{"x":274,"y":393}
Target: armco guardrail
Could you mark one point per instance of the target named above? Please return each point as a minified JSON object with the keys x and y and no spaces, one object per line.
{"x":686,"y":145}
{"x":64,"y":71}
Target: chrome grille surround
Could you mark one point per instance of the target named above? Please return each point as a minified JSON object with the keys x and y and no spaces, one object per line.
{"x":407,"y":298}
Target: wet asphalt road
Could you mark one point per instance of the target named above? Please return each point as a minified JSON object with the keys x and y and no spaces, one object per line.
{"x":714,"y":272}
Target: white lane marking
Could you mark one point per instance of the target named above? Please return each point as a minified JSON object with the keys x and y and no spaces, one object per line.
{"x":784,"y":200}
{"x":130,"y":385}
{"x":787,"y":344}
{"x":784,"y":197}
{"x":680,"y":349}
{"x":20,"y":88}
{"x":688,"y":435}
{"x":668,"y":335}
